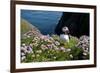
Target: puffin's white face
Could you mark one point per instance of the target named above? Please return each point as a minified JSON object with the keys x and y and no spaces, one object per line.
{"x":65,"y":29}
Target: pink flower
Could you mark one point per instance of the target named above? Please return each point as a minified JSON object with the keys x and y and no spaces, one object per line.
{"x":57,"y":43}
{"x":43,"y":47}
{"x":43,"y":37}
{"x":49,"y":46}
{"x":62,"y":48}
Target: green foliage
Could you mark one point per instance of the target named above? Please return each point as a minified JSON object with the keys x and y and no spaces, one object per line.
{"x":27,"y":40}
{"x":73,"y":41}
{"x":77,"y":53}
{"x":29,"y":58}
{"x":56,"y":37}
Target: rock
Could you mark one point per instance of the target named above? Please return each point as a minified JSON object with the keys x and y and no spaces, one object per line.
{"x":78,"y":24}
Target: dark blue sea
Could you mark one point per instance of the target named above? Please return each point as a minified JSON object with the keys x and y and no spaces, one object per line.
{"x":45,"y":21}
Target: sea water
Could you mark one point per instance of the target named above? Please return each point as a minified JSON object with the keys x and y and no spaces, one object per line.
{"x":45,"y":21}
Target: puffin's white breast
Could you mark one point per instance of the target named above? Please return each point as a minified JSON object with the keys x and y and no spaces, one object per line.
{"x":64,"y":37}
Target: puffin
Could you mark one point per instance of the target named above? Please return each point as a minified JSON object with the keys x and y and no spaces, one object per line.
{"x":65,"y":36}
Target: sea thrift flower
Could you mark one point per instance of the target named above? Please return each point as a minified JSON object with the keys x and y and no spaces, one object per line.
{"x":24,"y":49}
{"x":43,"y":47}
{"x":71,"y":55}
{"x":51,"y":39}
{"x":84,"y":53}
{"x":33,"y":55}
{"x":37,"y":55}
{"x":57,"y":43}
{"x":54,"y":57}
{"x":43,"y":37}
{"x":86,"y":49}
{"x":49,"y":46}
{"x":36,"y":38}
{"x":29,"y":49}
{"x":62,"y":48}
{"x":31,"y":45}
{"x":28,"y":36}
{"x":23,"y":58}
{"x":23,"y":44}
{"x":68,"y":50}
{"x":35,"y":43}
{"x":39,"y":51}
{"x":22,"y":54}
{"x":56,"y":48}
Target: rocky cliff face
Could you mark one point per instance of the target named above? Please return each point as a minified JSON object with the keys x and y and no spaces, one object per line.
{"x":78,"y":23}
{"x":28,"y":29}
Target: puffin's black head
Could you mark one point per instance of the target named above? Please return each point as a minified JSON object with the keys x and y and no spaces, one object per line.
{"x":65,"y":30}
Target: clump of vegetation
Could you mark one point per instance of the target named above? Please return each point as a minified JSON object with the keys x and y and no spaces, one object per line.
{"x":49,"y":48}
